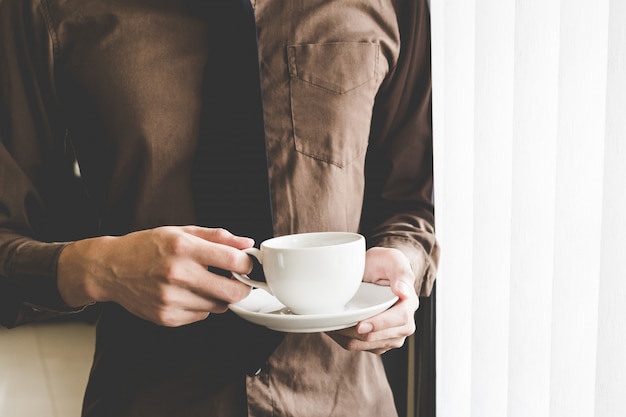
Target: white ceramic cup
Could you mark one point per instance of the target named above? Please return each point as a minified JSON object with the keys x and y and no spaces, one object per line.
{"x":311,"y":273}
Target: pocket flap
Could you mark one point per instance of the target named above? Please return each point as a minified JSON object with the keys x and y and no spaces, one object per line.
{"x":338,"y":67}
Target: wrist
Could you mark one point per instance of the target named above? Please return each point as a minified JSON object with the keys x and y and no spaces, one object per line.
{"x":77,"y":278}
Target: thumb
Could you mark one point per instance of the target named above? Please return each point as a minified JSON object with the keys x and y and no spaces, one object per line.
{"x":403,"y":288}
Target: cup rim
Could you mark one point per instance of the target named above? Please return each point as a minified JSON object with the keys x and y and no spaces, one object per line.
{"x":350,"y":238}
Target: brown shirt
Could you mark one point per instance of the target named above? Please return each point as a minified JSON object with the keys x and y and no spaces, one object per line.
{"x":118,"y":86}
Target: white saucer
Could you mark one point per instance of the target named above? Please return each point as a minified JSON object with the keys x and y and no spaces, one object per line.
{"x":264,"y":309}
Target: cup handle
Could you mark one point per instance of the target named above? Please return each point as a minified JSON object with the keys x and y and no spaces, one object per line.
{"x":245,"y":279}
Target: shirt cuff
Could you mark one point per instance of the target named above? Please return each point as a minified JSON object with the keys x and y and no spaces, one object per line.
{"x":32,"y":280}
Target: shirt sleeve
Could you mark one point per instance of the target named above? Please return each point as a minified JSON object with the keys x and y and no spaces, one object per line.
{"x":398,"y":208}
{"x":33,"y":169}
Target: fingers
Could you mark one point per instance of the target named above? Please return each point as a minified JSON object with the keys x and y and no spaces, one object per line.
{"x":219,"y":235}
{"x":214,"y":247}
{"x":189,"y":243}
{"x":388,"y":266}
{"x":173,"y":310}
{"x":214,"y":286}
{"x":162,"y":274}
{"x":351,"y":344}
{"x":352,"y":341}
{"x":197,"y":279}
{"x":381,"y":333}
{"x":388,"y":330}
{"x":398,"y":319}
{"x":177,"y":307}
{"x":171,"y":304}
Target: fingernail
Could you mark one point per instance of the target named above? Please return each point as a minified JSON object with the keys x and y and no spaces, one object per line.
{"x":365,"y":328}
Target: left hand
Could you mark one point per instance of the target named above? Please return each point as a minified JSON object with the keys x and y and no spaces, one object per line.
{"x":389,"y":329}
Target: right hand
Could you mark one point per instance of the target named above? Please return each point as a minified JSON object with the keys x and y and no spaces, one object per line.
{"x":159,"y":274}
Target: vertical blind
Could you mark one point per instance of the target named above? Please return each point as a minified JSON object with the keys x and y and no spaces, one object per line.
{"x":529,"y":115}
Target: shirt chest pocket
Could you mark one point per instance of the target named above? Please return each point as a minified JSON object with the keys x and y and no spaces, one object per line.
{"x":332,"y":89}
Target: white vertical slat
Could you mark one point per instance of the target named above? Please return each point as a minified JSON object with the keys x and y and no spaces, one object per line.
{"x":611,"y":357}
{"x":453,"y":118}
{"x":534,"y":158}
{"x":493,"y":134}
{"x":531,"y":292}
{"x":578,"y":205}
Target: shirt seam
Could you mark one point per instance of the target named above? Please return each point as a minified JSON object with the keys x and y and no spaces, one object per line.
{"x":47,"y":16}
